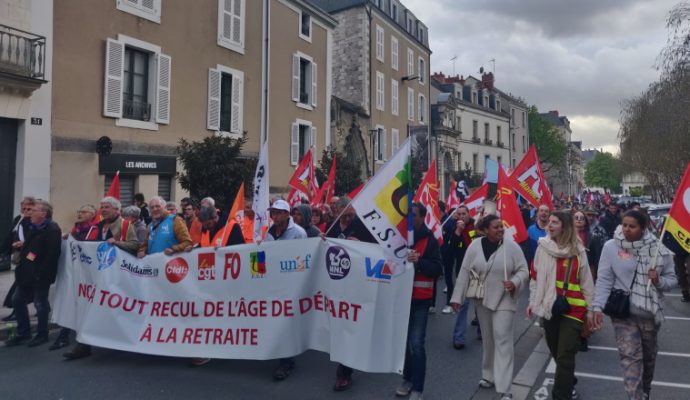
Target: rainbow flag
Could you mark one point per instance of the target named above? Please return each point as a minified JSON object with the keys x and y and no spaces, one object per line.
{"x":383,"y":206}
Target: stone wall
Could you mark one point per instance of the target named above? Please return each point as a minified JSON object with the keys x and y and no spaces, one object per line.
{"x":350,"y":57}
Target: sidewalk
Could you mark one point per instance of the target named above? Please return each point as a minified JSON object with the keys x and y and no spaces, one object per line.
{"x":6,"y":280}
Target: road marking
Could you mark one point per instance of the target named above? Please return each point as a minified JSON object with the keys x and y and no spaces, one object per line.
{"x":661,"y":353}
{"x":673,"y":294}
{"x":551,"y":368}
{"x":678,"y":318}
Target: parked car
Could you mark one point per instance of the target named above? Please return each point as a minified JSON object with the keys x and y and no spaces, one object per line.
{"x":657,"y":214}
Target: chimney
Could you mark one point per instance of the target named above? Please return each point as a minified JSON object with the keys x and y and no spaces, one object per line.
{"x":488,"y":80}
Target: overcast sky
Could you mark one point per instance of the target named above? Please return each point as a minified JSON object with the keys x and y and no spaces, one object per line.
{"x":578,"y":57}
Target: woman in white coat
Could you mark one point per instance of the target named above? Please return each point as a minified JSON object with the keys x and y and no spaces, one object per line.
{"x":502,"y":270}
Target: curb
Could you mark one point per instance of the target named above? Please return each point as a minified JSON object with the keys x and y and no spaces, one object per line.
{"x":5,"y":328}
{"x":527,"y":376}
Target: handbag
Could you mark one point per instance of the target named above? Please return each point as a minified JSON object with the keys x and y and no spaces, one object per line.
{"x":618,"y":302}
{"x":475,"y":290}
{"x":560,"y":305}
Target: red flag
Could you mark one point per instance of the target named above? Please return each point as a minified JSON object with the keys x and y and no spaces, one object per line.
{"x":427,"y":195}
{"x":508,"y":209}
{"x":326,"y":191}
{"x":678,"y":221}
{"x":528,"y":180}
{"x":303,"y":178}
{"x":356,"y":191}
{"x":453,"y":201}
{"x":113,"y":191}
{"x":238,"y":204}
{"x":476,"y":200}
{"x":294,"y":198}
{"x":607,"y":198}
{"x":589,"y":199}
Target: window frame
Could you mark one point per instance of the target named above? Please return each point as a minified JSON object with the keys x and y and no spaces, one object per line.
{"x":422,"y":109}
{"x":395,"y":97}
{"x":141,"y":11}
{"x":300,"y":26}
{"x":227,"y":43}
{"x":410,"y":62}
{"x":380,"y":91}
{"x":380,"y":43}
{"x":395,"y":55}
{"x":421,"y":69}
{"x":379,"y":149}
{"x":313,"y":88}
{"x":410,"y":104}
{"x":312,"y":139}
{"x":235,"y":74}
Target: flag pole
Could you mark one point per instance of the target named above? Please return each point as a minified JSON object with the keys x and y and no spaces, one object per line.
{"x":656,"y":255}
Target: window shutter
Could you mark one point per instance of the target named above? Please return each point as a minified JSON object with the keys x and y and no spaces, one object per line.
{"x":237,"y":102}
{"x":313,"y":140}
{"x":294,"y":145}
{"x":376,"y":146}
{"x":237,"y":18}
{"x":213,"y":119}
{"x":163,"y":99}
{"x":114,"y":71}
{"x":313,"y":84}
{"x":383,"y":145}
{"x":395,"y":141}
{"x":295,"y":77}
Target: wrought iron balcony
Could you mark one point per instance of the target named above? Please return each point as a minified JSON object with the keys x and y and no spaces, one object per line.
{"x":22,"y":53}
{"x":488,"y":141}
{"x":132,"y":109}
{"x":476,"y":139}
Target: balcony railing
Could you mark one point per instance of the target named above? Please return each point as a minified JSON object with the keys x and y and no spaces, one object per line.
{"x":488,"y":141}
{"x":22,"y":53}
{"x":132,"y":109}
{"x":476,"y":139}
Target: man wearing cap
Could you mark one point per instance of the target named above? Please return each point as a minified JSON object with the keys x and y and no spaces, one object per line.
{"x":283,"y":228}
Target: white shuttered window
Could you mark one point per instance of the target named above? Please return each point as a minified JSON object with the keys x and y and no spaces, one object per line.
{"x":410,"y":104}
{"x":231,"y":24}
{"x":380,"y":91}
{"x":148,"y":9}
{"x":394,"y":97}
{"x":225,"y":100}
{"x":380,"y":48}
{"x":394,"y":53}
{"x":395,"y":141}
{"x":304,"y":80}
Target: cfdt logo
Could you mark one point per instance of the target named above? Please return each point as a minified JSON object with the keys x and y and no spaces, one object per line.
{"x":380,"y":271}
{"x":207,"y":267}
{"x":176,"y":269}
{"x":105,"y":253}
{"x":257,"y":264}
{"x":337,"y":262}
{"x":299,"y":264}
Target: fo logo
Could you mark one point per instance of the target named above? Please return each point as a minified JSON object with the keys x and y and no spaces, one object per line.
{"x":337,"y":262}
{"x":105,"y":253}
{"x":176,"y":269}
{"x":207,"y":267}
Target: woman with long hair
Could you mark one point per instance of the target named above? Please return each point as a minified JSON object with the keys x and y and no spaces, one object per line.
{"x":562,"y":296}
{"x":501,"y":268}
{"x":634,"y":261}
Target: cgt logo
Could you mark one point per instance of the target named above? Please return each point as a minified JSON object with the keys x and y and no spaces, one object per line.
{"x":207,"y":267}
{"x":257,"y":264}
{"x":106,"y":254}
{"x":296,"y":265}
{"x":176,"y":269}
{"x":380,"y":271}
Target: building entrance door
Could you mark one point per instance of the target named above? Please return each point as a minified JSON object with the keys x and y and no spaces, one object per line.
{"x":8,"y":155}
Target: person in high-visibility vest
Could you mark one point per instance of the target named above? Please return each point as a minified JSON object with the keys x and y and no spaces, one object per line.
{"x":428,"y":266}
{"x":214,"y":232}
{"x":557,"y":253}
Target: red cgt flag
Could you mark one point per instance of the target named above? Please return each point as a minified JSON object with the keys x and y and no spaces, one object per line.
{"x":427,"y":195}
{"x":113,"y":191}
{"x":678,"y":221}
{"x":508,"y":209}
{"x":453,"y":201}
{"x":476,"y":200}
{"x":528,"y":180}
{"x":326,"y":191}
{"x":303,"y":179}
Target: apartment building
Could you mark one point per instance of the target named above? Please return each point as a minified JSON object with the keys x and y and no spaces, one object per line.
{"x":380,"y":78}
{"x":159,"y":70}
{"x":469,"y":125}
{"x":26,"y":51}
{"x":566,"y":179}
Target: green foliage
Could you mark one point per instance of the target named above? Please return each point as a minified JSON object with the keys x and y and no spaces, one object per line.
{"x":636,"y":191}
{"x":347,"y":173}
{"x":551,"y":146}
{"x":215,"y":167}
{"x":604,"y":171}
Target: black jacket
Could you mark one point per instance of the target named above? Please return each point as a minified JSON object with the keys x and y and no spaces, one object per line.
{"x":39,"y":256}
{"x":610,"y":222}
{"x":429,"y":263}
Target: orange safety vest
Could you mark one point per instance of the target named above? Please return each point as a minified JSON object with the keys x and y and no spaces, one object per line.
{"x":205,"y":242}
{"x":248,"y":230}
{"x":423,"y":286}
{"x":573,"y":293}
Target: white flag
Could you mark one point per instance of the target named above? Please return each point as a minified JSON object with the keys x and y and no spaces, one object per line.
{"x":261,"y":201}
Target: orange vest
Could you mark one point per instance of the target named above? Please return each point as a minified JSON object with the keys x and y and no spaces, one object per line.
{"x":205,"y":236}
{"x":423,"y":286}
{"x":248,"y":230}
{"x":195,"y":231}
{"x":572,"y":293}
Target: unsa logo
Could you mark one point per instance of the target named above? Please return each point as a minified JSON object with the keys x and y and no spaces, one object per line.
{"x":337,"y":262}
{"x":176,"y":269}
{"x":105,"y":253}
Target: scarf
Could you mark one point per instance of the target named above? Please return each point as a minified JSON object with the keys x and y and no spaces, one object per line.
{"x":643,"y":250}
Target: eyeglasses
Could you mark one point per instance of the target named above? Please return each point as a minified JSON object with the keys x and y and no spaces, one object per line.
{"x":579,"y":218}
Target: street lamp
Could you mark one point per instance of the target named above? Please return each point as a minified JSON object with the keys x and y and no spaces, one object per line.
{"x":372,"y":132}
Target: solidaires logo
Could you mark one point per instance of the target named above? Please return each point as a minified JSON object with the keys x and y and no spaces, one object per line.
{"x":106,"y":254}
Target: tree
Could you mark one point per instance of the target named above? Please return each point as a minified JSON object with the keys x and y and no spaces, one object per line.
{"x":347,"y":172}
{"x":604,"y":171}
{"x":215,"y":167}
{"x":551,"y":146}
{"x":471,"y":178}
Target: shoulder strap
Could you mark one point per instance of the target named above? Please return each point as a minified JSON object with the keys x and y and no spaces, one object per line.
{"x":566,"y":280}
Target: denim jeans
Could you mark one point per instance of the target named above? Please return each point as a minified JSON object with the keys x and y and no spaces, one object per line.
{"x":415,"y":354}
{"x":461,"y":324}
{"x":40,"y":298}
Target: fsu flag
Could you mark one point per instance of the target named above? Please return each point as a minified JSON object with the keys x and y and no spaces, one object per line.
{"x":427,"y":195}
{"x":453,"y":201}
{"x":678,"y":221}
{"x":508,"y":209}
{"x":326,"y":191}
{"x":528,"y":180}
{"x":303,"y":178}
{"x":476,"y":200}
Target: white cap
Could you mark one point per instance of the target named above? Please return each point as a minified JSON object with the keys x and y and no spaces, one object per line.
{"x":280,"y":205}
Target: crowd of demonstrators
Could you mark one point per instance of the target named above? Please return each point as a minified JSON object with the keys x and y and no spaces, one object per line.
{"x":167,"y":233}
{"x":499,"y":268}
{"x":12,"y":244}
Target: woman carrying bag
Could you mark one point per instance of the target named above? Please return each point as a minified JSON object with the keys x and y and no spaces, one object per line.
{"x":562,"y":303}
{"x":492,"y":273}
{"x":634,"y":269}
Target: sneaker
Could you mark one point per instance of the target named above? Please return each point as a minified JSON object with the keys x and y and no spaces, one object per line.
{"x":416,"y":396}
{"x":432,"y":310}
{"x":458,"y":346}
{"x":685,"y":298}
{"x":484,"y":384}
{"x":198,"y":362}
{"x":507,"y":396}
{"x":445,"y":290}
{"x":475,"y":322}
{"x":9,"y":318}
{"x":447,"y":310}
{"x":16,"y":341}
{"x":574,"y":395}
{"x":283,"y":371}
{"x":38,"y":340}
{"x":79,"y":351}
{"x":404,"y":389}
{"x":342,"y":383}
